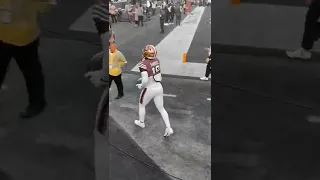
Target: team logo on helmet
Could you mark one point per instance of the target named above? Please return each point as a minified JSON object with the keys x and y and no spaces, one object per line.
{"x":149,"y":52}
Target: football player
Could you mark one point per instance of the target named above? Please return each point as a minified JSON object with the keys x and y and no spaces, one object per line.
{"x":151,"y":87}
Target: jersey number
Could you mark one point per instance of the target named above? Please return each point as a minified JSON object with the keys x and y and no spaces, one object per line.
{"x":156,"y":69}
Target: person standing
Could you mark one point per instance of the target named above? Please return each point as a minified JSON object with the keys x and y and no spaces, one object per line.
{"x":112,"y":11}
{"x":148,"y":9}
{"x":208,"y":69}
{"x":131,"y":14}
{"x":140,"y":15}
{"x":172,"y":13}
{"x":166,"y":19}
{"x":178,"y":14}
{"x":127,"y":11}
{"x":162,"y":18}
{"x":19,"y":39}
{"x":311,"y":32}
{"x":169,"y":14}
{"x":116,"y":62}
{"x":136,"y":14}
{"x":154,"y":6}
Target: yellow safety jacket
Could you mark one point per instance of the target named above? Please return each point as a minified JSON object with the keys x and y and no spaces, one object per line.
{"x":116,"y":61}
{"x":18,"y":20}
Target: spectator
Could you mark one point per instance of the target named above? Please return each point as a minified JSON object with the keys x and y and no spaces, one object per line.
{"x":311,"y":32}
{"x":19,"y":39}
{"x":162,"y":18}
{"x":154,"y":6}
{"x":113,"y":13}
{"x":136,"y":14}
{"x":172,"y":13}
{"x":127,"y":9}
{"x":148,"y":9}
{"x":178,"y":11}
{"x":166,"y":22}
{"x":131,"y":14}
{"x":169,"y":14}
{"x":140,"y":15}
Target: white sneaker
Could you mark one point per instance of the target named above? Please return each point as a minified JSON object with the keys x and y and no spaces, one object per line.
{"x":204,"y":79}
{"x":299,"y":54}
{"x":168,"y":132}
{"x":139,"y":123}
{"x":166,"y":24}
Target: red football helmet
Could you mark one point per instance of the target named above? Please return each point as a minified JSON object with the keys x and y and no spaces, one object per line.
{"x":149,"y":52}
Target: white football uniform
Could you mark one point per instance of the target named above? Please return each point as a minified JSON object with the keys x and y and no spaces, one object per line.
{"x":151,"y":78}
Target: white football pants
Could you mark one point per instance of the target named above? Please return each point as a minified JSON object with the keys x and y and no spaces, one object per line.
{"x":154,"y":92}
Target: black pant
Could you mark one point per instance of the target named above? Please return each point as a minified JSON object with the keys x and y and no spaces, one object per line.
{"x":178,"y":20}
{"x":114,"y":18}
{"x":118,"y":81}
{"x":27,"y":58}
{"x":162,"y":25}
{"x":172,"y":17}
{"x":311,"y":26}
{"x":208,"y":69}
{"x":166,"y":18}
{"x":140,"y":20}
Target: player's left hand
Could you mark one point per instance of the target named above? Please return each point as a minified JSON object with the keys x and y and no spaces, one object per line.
{"x":139,"y":86}
{"x":96,"y":78}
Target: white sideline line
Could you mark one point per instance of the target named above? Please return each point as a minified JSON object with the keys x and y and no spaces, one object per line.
{"x":169,"y":95}
{"x":209,"y":99}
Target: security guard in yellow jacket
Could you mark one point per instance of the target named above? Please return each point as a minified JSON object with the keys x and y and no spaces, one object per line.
{"x":19,"y":39}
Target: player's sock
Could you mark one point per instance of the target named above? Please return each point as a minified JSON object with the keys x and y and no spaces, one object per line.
{"x":142,"y":112}
{"x":165,"y":117}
